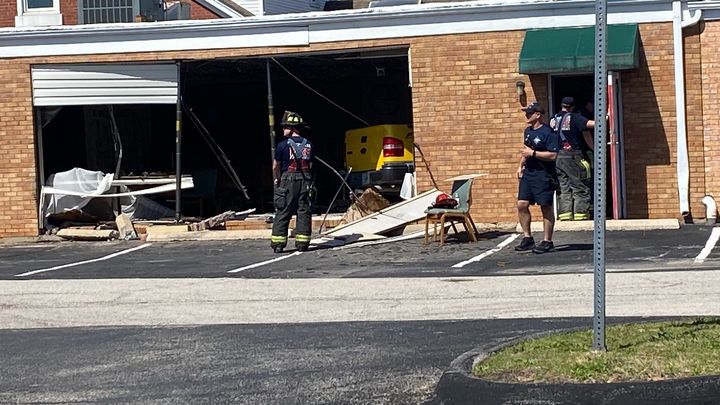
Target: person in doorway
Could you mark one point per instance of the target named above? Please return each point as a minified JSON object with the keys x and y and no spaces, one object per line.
{"x":292,"y":178}
{"x":537,"y":179}
{"x":573,"y":167}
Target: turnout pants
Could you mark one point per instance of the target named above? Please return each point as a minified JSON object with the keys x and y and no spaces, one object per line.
{"x":574,"y":174}
{"x":292,"y":197}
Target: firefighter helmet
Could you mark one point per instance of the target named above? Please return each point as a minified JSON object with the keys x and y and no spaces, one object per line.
{"x":292,"y":119}
{"x":444,"y":200}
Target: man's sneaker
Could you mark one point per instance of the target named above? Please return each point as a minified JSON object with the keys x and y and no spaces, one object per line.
{"x":544,"y":247}
{"x":527,"y":243}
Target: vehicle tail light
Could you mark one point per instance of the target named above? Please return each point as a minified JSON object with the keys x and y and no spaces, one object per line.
{"x":393,"y":147}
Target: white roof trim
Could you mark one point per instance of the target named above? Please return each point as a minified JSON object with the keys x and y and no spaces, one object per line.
{"x":303,"y":29}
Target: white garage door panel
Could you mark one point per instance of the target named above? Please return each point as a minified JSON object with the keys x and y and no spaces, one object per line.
{"x":101,"y":92}
{"x":59,"y":101}
{"x":93,"y":84}
{"x":83,"y":84}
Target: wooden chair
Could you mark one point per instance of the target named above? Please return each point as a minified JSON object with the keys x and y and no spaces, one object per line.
{"x":462,"y":192}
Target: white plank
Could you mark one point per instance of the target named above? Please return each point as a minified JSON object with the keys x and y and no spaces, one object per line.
{"x":389,"y":218}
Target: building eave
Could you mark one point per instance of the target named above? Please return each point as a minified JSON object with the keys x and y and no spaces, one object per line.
{"x":303,"y":29}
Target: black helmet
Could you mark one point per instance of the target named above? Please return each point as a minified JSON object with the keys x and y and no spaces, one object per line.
{"x":293,"y":119}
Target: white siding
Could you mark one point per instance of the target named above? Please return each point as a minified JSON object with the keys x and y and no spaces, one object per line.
{"x":93,"y":84}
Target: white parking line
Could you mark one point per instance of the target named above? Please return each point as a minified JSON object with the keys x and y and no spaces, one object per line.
{"x":483,"y":255}
{"x":252,"y":266}
{"x":99,"y":259}
{"x":709,"y":245}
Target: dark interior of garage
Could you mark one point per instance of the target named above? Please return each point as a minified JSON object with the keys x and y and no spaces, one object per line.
{"x":230,"y":99}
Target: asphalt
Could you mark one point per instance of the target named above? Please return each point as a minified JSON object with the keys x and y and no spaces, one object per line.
{"x":165,"y":286}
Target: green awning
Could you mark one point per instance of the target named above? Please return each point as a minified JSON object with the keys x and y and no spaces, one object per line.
{"x":572,"y":50}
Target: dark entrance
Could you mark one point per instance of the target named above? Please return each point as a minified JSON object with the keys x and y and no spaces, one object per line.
{"x":581,"y":87}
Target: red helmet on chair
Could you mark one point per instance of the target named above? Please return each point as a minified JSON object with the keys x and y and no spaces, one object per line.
{"x":444,"y":200}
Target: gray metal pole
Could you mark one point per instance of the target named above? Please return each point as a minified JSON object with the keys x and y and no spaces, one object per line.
{"x":600,"y":162}
{"x":178,"y":149}
{"x":271,"y":114}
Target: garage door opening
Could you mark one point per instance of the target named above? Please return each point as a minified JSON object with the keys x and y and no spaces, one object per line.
{"x":333,"y":92}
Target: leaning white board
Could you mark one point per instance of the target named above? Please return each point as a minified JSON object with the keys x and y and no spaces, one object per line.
{"x":389,"y":218}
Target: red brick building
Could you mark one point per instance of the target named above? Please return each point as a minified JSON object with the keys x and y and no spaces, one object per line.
{"x":451,"y":71}
{"x":27,"y":13}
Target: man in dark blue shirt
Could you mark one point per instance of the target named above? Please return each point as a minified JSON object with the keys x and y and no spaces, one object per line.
{"x":537,"y":178}
{"x":574,"y":170}
{"x":293,"y":180}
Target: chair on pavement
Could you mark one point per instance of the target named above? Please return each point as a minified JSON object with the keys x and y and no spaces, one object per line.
{"x":462,"y":192}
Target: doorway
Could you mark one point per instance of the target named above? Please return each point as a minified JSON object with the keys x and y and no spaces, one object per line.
{"x":581,"y":88}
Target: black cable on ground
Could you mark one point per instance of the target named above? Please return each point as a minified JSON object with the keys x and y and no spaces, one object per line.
{"x":337,"y":193}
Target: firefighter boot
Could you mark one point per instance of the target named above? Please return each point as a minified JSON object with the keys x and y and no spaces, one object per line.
{"x":278,"y":243}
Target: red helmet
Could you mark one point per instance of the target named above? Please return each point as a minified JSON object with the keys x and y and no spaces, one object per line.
{"x":444,"y":200}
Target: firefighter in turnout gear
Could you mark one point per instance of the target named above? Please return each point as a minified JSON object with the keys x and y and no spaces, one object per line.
{"x":573,"y":167}
{"x":293,"y":182}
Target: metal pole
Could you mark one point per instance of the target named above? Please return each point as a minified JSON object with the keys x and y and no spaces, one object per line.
{"x":178,"y":149}
{"x":600,"y":152}
{"x":271,"y":114}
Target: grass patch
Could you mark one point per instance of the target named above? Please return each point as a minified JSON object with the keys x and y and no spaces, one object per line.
{"x":635,"y":352}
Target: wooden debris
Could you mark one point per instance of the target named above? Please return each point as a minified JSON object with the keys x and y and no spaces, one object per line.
{"x":87,"y":234}
{"x":247,"y":224}
{"x":158,"y":229}
{"x":368,"y":203}
{"x":125,"y":227}
{"x":212,"y":222}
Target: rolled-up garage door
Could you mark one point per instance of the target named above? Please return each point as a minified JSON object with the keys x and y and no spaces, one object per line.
{"x":93,"y":84}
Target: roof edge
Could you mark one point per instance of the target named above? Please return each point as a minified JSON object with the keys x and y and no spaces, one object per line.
{"x":303,"y":29}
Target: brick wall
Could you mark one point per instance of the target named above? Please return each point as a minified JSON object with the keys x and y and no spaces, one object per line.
{"x":711,"y":119}
{"x":694,"y":117}
{"x":69,"y":11}
{"x":18,"y":209}
{"x":649,"y":128}
{"x":8,"y":11}
{"x":198,"y":12}
{"x":466,"y":117}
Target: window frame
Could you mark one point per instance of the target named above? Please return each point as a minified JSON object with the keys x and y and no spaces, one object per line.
{"x":81,"y":16}
{"x":24,"y":9}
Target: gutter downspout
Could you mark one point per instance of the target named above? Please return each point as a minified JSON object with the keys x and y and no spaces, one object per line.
{"x":683,"y":167}
{"x":710,"y":210}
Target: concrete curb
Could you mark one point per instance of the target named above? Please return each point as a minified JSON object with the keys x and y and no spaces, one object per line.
{"x":610,"y":225}
{"x":458,"y":386}
{"x":209,"y":235}
{"x":184,"y":236}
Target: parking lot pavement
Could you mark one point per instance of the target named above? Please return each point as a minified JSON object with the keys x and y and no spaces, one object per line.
{"x":317,"y":363}
{"x":492,"y":255}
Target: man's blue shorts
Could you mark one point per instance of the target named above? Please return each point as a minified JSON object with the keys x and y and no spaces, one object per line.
{"x":537,"y":188}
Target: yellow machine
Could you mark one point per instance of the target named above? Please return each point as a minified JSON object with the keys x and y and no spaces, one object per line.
{"x":380,"y":156}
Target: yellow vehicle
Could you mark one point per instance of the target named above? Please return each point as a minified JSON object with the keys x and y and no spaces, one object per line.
{"x":380,"y":156}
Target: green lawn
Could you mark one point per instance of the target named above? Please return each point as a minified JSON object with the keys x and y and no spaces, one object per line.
{"x":635,"y":352}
